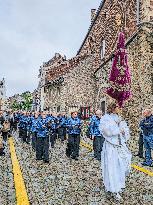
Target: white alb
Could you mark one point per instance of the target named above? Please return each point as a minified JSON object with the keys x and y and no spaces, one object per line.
{"x":115,"y":156}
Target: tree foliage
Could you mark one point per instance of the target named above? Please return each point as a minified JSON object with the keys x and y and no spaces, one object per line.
{"x":25,"y":102}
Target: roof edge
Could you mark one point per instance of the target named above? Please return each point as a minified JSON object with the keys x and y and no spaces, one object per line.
{"x":92,"y":24}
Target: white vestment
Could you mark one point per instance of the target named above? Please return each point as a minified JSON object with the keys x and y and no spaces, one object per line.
{"x":115,"y":156}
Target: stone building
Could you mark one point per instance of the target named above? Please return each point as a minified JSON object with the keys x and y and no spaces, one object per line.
{"x":35,"y":100}
{"x":44,"y":69}
{"x":79,"y":82}
{"x":2,"y":94}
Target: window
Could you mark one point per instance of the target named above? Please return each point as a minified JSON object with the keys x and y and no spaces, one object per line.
{"x":151,"y":47}
{"x":111,"y":62}
{"x":152,"y":83}
{"x":85,"y":112}
{"x":103,"y":46}
{"x":58,"y":108}
{"x":37,"y":101}
{"x":103,"y":106}
{"x":58,"y":91}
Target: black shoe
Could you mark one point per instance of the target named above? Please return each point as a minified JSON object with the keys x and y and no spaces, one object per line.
{"x":75,"y":158}
{"x":138,"y":155}
{"x":146,"y":164}
{"x":68,"y":154}
{"x":46,"y":161}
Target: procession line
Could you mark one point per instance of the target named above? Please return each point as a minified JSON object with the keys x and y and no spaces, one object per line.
{"x":21,"y":193}
{"x":141,"y":169}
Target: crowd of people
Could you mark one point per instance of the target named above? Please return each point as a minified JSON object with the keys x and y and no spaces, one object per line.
{"x":41,"y":129}
{"x":109,"y":133}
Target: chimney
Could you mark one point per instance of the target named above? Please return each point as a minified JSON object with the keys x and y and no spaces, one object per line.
{"x":93,"y":14}
{"x":57,"y":55}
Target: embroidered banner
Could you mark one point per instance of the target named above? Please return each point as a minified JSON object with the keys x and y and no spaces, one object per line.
{"x":120,"y":77}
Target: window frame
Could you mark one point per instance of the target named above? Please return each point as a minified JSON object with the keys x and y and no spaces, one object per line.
{"x":103,"y":48}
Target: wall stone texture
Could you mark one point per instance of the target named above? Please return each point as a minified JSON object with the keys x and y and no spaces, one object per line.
{"x":78,"y":88}
{"x":86,"y":75}
{"x":140,"y":57}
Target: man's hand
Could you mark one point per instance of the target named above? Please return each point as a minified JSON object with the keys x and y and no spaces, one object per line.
{"x":122,"y":132}
{"x":92,"y":137}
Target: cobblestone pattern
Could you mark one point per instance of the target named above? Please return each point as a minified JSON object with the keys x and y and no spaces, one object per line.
{"x":66,"y":182}
{"x":7,"y":190}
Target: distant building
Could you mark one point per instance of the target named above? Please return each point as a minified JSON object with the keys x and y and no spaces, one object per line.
{"x":35,"y":101}
{"x":2,"y":94}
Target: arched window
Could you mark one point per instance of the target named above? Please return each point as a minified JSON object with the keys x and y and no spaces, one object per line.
{"x":103,"y":47}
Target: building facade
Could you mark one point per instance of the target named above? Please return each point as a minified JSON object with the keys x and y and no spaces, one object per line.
{"x":2,"y":94}
{"x":35,"y":100}
{"x":70,"y":84}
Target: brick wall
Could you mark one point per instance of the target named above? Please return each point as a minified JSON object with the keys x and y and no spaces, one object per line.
{"x":113,"y":17}
{"x":82,"y":88}
{"x":77,"y":90}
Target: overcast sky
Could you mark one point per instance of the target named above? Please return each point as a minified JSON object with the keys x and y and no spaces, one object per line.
{"x":32,"y":31}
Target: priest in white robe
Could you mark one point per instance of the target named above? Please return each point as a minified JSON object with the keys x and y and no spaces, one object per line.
{"x":115,"y":156}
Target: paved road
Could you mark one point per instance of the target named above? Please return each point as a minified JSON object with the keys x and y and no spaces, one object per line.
{"x":69,"y":182}
{"x":7,"y":191}
{"x":66,"y":182}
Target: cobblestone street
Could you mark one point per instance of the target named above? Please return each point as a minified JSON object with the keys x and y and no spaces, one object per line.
{"x":7,"y":190}
{"x":76,"y":78}
{"x":65,"y":182}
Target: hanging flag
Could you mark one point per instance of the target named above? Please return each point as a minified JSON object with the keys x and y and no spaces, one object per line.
{"x":120,"y":77}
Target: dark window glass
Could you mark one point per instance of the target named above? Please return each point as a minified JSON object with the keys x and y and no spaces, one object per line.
{"x":103,"y":106}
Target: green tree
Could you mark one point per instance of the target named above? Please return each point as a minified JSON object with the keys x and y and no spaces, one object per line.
{"x":27,"y":100}
{"x":25,"y":103}
{"x":15,"y":105}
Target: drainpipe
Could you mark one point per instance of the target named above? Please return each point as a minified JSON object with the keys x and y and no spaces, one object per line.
{"x":138,"y":12}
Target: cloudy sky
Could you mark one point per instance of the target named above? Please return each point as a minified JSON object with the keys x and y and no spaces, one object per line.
{"x":32,"y":31}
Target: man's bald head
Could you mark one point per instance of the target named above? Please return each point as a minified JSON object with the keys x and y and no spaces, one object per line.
{"x":98,"y":113}
{"x":147,"y":112}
